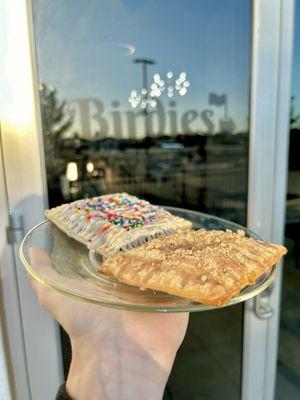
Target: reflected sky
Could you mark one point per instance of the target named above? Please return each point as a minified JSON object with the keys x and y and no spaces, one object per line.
{"x":86,"y":49}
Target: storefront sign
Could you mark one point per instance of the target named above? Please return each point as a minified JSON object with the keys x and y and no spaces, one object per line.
{"x":92,"y":119}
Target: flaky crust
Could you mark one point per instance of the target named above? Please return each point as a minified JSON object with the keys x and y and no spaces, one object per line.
{"x":87,"y":227}
{"x":209,"y":267}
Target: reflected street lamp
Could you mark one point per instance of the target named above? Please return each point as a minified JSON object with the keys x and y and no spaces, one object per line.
{"x":143,"y":99}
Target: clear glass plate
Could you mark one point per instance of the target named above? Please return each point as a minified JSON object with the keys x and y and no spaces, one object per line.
{"x":73,"y":270}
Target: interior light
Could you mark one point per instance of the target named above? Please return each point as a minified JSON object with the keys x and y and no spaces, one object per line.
{"x":72,"y":172}
{"x":90,"y":167}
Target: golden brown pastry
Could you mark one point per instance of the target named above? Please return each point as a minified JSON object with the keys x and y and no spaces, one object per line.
{"x":209,"y":267}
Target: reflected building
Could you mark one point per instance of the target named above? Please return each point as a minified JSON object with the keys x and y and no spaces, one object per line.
{"x":205,"y":172}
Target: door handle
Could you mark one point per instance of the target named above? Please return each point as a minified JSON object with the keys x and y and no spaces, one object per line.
{"x":15,"y":230}
{"x":262,"y":308}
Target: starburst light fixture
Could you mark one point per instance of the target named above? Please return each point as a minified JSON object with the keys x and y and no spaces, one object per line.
{"x":141,"y":99}
{"x":171,"y":85}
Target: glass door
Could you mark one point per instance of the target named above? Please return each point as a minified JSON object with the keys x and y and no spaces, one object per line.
{"x":155,"y":99}
{"x":152,"y":98}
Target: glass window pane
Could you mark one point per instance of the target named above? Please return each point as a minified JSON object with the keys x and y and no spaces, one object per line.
{"x":152,"y":98}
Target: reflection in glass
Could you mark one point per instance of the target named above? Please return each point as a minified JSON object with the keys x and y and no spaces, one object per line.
{"x":153,"y":100}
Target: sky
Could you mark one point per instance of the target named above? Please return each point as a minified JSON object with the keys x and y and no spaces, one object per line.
{"x":86,"y":51}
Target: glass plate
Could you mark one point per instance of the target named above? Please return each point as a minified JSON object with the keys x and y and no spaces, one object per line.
{"x":73,"y":270}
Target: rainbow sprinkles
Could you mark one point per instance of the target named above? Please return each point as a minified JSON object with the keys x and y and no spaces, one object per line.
{"x":114,"y":222}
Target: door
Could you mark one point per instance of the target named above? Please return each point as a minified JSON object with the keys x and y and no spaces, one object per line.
{"x":182,"y":103}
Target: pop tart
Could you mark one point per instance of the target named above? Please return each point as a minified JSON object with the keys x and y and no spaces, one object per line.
{"x":115,"y":222}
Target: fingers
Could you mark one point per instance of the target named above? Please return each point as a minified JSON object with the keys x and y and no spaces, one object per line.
{"x":39,"y":256}
{"x":51,"y":300}
{"x":41,"y":262}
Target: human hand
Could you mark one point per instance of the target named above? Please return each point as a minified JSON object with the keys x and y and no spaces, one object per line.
{"x":116,"y":354}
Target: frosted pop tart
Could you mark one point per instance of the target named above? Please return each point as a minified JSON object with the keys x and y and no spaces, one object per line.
{"x":115,"y":222}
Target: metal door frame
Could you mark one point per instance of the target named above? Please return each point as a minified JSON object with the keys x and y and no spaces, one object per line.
{"x":271,"y":76}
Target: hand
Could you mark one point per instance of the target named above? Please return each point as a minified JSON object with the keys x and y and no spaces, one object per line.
{"x":116,"y":354}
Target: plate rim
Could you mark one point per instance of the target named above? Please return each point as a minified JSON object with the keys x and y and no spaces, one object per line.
{"x":192,"y":307}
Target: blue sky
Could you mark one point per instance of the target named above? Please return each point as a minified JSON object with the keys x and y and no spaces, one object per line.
{"x":79,"y":45}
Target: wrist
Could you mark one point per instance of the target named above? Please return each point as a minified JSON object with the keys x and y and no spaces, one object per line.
{"x":114,"y":374}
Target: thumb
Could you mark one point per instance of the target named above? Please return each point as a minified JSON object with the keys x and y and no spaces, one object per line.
{"x":40,"y":262}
